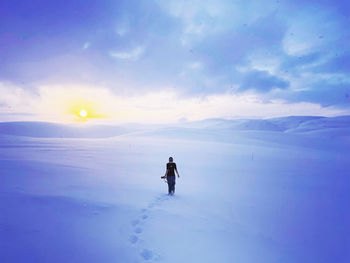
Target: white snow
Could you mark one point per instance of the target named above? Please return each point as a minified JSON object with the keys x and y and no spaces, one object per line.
{"x":274,"y":190}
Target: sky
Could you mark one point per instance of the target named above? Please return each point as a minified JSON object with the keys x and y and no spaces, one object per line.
{"x":171,"y":61}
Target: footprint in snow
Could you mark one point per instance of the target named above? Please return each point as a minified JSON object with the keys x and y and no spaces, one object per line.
{"x":147,"y":254}
{"x":138,"y":230}
{"x":133,"y":239}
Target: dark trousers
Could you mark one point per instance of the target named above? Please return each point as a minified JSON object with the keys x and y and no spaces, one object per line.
{"x":171,"y":184}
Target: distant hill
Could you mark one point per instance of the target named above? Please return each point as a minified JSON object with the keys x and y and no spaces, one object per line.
{"x":337,"y":126}
{"x":322,"y":123}
{"x":53,"y":130}
{"x":282,"y":124}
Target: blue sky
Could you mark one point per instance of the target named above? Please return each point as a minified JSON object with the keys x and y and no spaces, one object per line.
{"x":282,"y":57}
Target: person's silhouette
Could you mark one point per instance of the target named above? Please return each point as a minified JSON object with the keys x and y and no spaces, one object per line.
{"x":170,"y":175}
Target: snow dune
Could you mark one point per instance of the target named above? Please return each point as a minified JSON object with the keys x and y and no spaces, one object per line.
{"x":274,"y":190}
{"x":54,"y":130}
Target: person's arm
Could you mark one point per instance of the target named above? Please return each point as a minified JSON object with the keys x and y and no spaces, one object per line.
{"x":166,"y":173}
{"x":177,"y":172}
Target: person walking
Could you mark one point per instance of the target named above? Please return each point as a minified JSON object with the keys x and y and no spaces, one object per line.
{"x":170,"y":175}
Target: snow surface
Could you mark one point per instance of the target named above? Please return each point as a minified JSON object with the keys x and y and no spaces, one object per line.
{"x":274,"y":190}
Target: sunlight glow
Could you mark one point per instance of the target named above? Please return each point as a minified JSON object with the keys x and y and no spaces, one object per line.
{"x":76,"y":103}
{"x":83,"y":113}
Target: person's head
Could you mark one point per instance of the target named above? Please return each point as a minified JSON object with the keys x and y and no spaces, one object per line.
{"x":171,"y":159}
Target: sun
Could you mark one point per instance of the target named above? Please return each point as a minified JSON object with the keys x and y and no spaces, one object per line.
{"x":84,"y":110}
{"x":83,"y":113}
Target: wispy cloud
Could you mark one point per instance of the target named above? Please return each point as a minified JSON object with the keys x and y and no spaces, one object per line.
{"x":86,"y":45}
{"x":132,"y":54}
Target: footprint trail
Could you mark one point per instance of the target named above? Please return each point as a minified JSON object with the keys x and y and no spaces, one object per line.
{"x":136,"y":239}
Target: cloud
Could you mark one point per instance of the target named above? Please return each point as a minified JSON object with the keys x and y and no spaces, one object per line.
{"x":231,"y":48}
{"x":16,"y":100}
{"x":336,"y":64}
{"x":195,"y":65}
{"x":133,"y":54}
{"x":325,"y":93}
{"x":261,"y":81}
{"x":311,"y":30}
{"x":86,"y":45}
{"x":292,"y":63}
